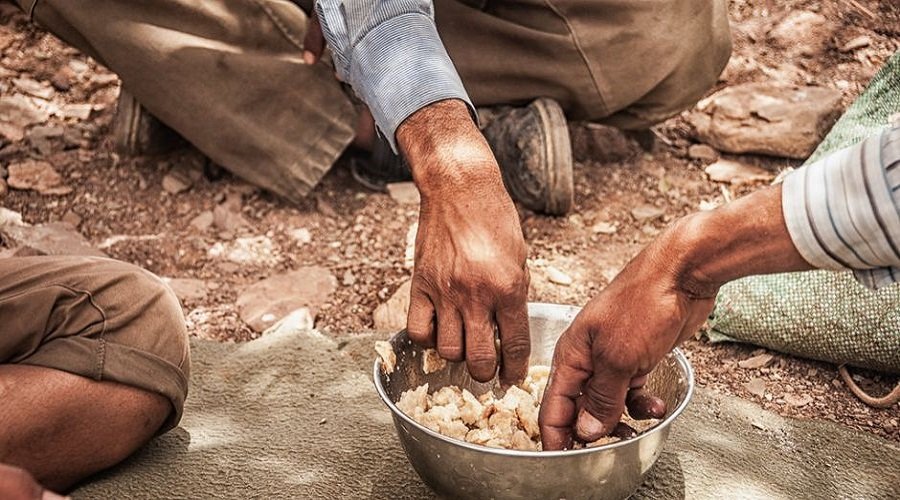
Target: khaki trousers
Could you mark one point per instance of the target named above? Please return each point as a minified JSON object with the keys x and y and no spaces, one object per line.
{"x":228,"y":75}
{"x":98,"y":318}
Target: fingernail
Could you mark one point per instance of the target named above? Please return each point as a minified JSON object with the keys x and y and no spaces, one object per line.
{"x":308,"y":57}
{"x":588,"y":427}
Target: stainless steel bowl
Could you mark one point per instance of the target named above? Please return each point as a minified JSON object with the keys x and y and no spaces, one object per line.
{"x":458,"y":469}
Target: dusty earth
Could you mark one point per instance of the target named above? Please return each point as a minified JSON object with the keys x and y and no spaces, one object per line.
{"x":121,"y":206}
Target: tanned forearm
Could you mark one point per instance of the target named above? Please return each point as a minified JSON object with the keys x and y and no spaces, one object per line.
{"x":470,"y":278}
{"x":445,"y":131}
{"x":743,"y":238}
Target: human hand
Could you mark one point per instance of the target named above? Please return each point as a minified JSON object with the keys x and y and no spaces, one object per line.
{"x":313,"y":41}
{"x":470,"y":277}
{"x":658,"y":300}
{"x":18,"y":484}
{"x":610,"y":347}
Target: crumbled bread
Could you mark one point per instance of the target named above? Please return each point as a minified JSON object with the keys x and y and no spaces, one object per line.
{"x":388,"y":358}
{"x":509,"y":422}
{"x":414,"y":399}
{"x":600,"y":442}
{"x":447,"y":395}
{"x":472,"y":411}
{"x":640,"y":426}
{"x":432,"y":362}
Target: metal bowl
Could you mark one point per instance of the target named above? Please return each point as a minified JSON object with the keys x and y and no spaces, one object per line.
{"x":457,"y":469}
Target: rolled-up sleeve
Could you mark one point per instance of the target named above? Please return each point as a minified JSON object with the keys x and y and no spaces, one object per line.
{"x":390,"y":52}
{"x":843,"y":212}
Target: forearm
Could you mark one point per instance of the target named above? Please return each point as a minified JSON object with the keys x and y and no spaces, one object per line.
{"x":838,"y":213}
{"x":445,"y":149}
{"x":746,"y":237}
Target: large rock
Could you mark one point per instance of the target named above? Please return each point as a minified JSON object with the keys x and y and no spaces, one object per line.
{"x":56,"y":238}
{"x":766,"y":118}
{"x":391,"y":316}
{"x":737,"y":173}
{"x":802,"y":33}
{"x":18,"y":112}
{"x":187,"y":289}
{"x":38,"y":176}
{"x":262,"y":304}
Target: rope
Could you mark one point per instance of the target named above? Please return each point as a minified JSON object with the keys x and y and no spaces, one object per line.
{"x":886,"y":401}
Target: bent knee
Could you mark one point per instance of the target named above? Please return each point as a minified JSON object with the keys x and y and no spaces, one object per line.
{"x":149,"y":322}
{"x":145,"y":335}
{"x":680,"y":59}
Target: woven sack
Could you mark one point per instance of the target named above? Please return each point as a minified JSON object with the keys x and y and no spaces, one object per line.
{"x":823,"y":315}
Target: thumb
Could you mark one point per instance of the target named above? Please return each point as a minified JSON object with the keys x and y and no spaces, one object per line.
{"x":603,"y":402}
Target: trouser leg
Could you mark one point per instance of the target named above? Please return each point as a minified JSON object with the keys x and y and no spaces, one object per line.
{"x":225,"y":74}
{"x":627,"y":64}
{"x":94,"y":361}
{"x":97,"y":318}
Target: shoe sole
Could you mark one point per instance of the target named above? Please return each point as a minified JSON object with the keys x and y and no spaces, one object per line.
{"x":125,"y":126}
{"x":136,"y":132}
{"x":561,"y":185}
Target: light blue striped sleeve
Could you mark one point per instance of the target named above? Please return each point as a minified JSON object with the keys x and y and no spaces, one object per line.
{"x":389,"y":51}
{"x":843,"y":212}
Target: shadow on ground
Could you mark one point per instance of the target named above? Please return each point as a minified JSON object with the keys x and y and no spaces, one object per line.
{"x":295,"y":415}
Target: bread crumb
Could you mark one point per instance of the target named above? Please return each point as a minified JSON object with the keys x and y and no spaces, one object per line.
{"x":432,"y":361}
{"x":510,"y":422}
{"x":388,"y":358}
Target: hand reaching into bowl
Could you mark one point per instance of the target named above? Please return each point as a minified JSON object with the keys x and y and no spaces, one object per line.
{"x":601,"y":362}
{"x":470,"y":277}
{"x":660,"y":299}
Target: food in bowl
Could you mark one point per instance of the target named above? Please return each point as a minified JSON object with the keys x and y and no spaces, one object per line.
{"x":458,"y":469}
{"x":509,"y":422}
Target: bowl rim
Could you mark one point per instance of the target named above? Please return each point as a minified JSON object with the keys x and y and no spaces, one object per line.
{"x":680,"y":358}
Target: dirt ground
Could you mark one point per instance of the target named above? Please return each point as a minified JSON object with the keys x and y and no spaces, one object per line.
{"x":120,"y":206}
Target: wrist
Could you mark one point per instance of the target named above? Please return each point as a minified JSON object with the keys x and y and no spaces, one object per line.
{"x":743,"y":238}
{"x":693,"y":243}
{"x":446,"y":151}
